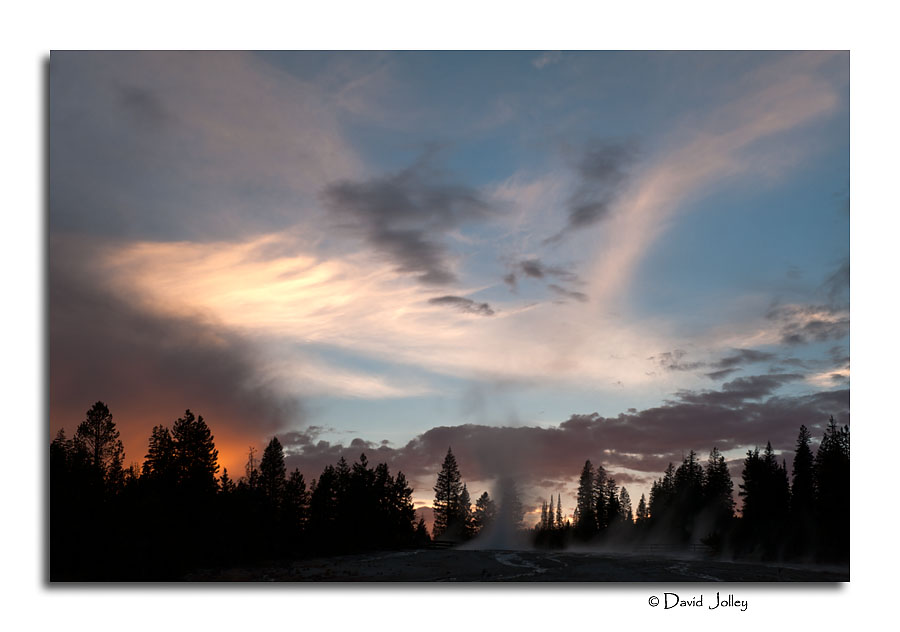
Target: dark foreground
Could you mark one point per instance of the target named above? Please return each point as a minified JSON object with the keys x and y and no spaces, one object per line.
{"x":455,"y":565}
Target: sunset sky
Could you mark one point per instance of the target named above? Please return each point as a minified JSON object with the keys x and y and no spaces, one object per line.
{"x":536,"y":258}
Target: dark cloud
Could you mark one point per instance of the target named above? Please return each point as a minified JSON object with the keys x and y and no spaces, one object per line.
{"x":721,"y":374}
{"x":567,"y":293}
{"x":740,"y":357}
{"x":736,"y":392}
{"x":743,"y":414}
{"x":672,"y":361}
{"x":463,"y":304}
{"x":148,"y":367}
{"x":802,"y":324}
{"x":724,"y":366}
{"x":602,"y":170}
{"x":406,"y":216}
{"x":536,"y":269}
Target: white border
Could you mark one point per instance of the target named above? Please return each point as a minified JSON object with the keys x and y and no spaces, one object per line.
{"x":32,"y":30}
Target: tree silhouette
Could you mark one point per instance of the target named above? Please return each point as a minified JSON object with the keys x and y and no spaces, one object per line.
{"x":625,"y":504}
{"x":98,"y":438}
{"x":718,"y":493}
{"x":832,"y":485}
{"x":485,"y":512}
{"x":447,"y":492}
{"x":643,"y":514}
{"x":196,"y":457}
{"x":272,"y":472}
{"x":585,"y":507}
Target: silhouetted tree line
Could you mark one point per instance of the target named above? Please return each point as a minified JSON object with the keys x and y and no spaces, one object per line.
{"x":174,"y":514}
{"x":805,"y":516}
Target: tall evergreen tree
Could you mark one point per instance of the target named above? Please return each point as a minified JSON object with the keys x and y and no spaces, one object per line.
{"x":718,"y":492}
{"x":272,"y":472}
{"x":803,"y":477}
{"x":585,"y":507}
{"x":159,"y":464}
{"x":559,"y":517}
{"x":643,"y":514}
{"x":485,"y":512}
{"x":447,"y":492}
{"x":465,"y":513}
{"x":625,"y":504}
{"x":98,"y":437}
{"x":196,"y":456}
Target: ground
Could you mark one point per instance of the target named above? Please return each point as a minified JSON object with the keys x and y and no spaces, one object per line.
{"x":455,"y":565}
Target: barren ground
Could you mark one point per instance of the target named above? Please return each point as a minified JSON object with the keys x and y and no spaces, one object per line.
{"x":455,"y":565}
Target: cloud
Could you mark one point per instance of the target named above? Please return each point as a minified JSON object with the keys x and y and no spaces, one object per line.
{"x":150,"y":367}
{"x":463,"y":304}
{"x":724,"y":366}
{"x":734,"y":139}
{"x":571,"y":294}
{"x":546,"y":59}
{"x":672,"y":361}
{"x":802,"y":324}
{"x":407,"y":216}
{"x":742,"y":415}
{"x":186,"y":145}
{"x":602,"y":169}
{"x":736,"y":392}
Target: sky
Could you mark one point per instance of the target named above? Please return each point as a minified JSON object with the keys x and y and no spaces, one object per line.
{"x":536,"y":258}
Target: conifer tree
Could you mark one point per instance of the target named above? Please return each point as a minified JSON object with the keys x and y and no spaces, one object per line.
{"x":196,"y":457}
{"x":447,"y":493}
{"x":465,"y":513}
{"x":272,"y":472}
{"x":643,"y":513}
{"x":98,"y":437}
{"x":485,"y":511}
{"x":159,"y":464}
{"x":585,"y":507}
{"x":559,"y":518}
{"x":625,"y":506}
{"x":718,"y":491}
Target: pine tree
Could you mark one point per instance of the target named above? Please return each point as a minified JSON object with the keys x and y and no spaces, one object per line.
{"x":296,"y":501}
{"x":643,"y":514}
{"x":485,"y":511}
{"x":159,"y":464}
{"x":718,"y":491}
{"x":802,"y":476}
{"x":559,"y":518}
{"x":602,"y":513}
{"x":272,"y":472}
{"x":832,"y":485}
{"x":465,"y":513}
{"x":226,"y":485}
{"x":98,"y":438}
{"x":585,"y":513}
{"x":551,"y":521}
{"x":196,"y":457}
{"x":625,"y":505}
{"x":447,"y":493}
